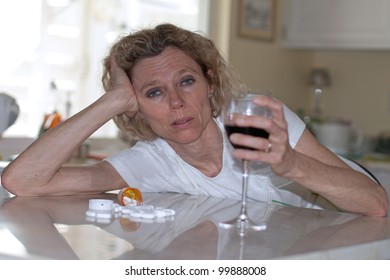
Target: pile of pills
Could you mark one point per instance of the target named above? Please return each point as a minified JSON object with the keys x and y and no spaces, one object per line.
{"x":103,"y":210}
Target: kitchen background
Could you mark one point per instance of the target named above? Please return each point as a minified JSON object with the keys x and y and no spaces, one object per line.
{"x":51,"y":52}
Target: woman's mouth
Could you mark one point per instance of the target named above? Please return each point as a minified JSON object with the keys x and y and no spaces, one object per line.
{"x":182,"y":123}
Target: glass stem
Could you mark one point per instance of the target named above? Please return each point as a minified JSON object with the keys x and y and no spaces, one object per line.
{"x":245,"y":174}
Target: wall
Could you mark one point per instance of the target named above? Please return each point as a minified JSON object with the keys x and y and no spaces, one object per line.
{"x":361,"y":79}
{"x":220,"y":25}
{"x":266,"y":65}
{"x":360,"y":89}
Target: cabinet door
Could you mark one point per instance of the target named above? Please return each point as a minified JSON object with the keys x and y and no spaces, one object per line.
{"x":338,"y":24}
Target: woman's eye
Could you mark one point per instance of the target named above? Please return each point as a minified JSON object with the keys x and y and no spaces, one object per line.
{"x":153,"y":93}
{"x":187,"y":81}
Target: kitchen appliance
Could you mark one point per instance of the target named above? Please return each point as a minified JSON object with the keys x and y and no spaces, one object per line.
{"x":319,"y":78}
{"x":341,"y":136}
{"x":9,"y":111}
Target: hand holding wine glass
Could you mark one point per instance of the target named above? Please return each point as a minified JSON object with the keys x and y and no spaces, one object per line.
{"x":237,"y":107}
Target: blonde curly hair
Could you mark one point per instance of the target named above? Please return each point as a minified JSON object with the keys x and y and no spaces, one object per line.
{"x":130,"y":49}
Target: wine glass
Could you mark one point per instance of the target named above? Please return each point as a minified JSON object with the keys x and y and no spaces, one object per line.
{"x":243,"y":105}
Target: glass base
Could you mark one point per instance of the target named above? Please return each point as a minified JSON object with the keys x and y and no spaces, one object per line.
{"x":243,"y":225}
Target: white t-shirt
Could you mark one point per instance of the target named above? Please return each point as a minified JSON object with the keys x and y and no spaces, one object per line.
{"x":153,"y":166}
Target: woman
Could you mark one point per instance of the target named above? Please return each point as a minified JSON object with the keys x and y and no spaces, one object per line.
{"x":165,"y":88}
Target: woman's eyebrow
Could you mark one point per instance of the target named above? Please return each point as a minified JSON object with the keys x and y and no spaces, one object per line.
{"x":149,"y":84}
{"x":188,"y":70}
{"x":156,"y":81}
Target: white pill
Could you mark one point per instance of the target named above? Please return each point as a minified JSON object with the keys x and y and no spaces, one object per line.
{"x":145,"y":207}
{"x":169,"y":212}
{"x":160,"y":213}
{"x":136,"y":214}
{"x":147,"y":214}
{"x":128,"y":210}
{"x":90,"y":213}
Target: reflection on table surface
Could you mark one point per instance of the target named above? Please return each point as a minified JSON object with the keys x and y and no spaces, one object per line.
{"x":57,"y":228}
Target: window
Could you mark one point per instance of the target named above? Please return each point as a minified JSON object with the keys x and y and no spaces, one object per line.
{"x":52,"y":50}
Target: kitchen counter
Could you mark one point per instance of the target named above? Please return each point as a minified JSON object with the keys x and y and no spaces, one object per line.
{"x":57,"y":228}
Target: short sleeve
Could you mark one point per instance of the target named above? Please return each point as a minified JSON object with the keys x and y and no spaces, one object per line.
{"x":295,"y":126}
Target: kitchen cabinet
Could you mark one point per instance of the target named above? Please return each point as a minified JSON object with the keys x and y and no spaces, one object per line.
{"x":337,"y":24}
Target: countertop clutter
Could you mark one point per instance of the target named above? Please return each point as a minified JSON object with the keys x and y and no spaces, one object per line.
{"x":58,"y":228}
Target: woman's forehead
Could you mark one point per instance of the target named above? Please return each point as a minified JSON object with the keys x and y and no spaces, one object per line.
{"x":169,"y":61}
{"x":168,"y":55}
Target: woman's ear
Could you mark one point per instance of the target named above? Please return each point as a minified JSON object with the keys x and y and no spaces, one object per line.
{"x":210,"y":75}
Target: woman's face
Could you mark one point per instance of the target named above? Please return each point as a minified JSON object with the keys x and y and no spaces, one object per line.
{"x":172,"y":95}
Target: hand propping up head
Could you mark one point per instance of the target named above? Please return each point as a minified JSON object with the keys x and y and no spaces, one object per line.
{"x":122,"y":89}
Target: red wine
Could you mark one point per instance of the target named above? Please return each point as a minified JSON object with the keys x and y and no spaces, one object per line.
{"x":258,"y":132}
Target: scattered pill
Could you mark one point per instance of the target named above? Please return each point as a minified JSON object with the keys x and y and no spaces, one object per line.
{"x":103,"y":210}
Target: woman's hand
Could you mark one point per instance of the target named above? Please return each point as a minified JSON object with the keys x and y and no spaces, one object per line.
{"x":275,"y":150}
{"x":310,"y":163}
{"x":122,"y":89}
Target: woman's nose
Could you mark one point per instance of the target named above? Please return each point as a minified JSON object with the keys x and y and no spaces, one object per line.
{"x":177,"y":100}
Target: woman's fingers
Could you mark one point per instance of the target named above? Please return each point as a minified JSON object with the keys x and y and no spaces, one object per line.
{"x":118,"y":76}
{"x":122,"y":88}
{"x":272,"y":149}
{"x":275,"y":106}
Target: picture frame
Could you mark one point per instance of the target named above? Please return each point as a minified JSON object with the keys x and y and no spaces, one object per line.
{"x":257,"y":19}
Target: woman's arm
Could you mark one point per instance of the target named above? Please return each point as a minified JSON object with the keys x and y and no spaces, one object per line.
{"x":39,"y":169}
{"x":311,"y":164}
{"x":324,"y":173}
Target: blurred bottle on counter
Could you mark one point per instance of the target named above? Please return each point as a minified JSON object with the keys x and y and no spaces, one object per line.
{"x":49,"y":121}
{"x":53,"y":117}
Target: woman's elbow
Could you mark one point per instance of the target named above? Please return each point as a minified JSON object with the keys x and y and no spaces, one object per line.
{"x":12,"y":184}
{"x":6,"y":181}
{"x":380,"y":212}
{"x":382,"y":208}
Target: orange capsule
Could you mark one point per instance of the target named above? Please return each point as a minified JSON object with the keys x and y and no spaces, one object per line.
{"x":130,"y":196}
